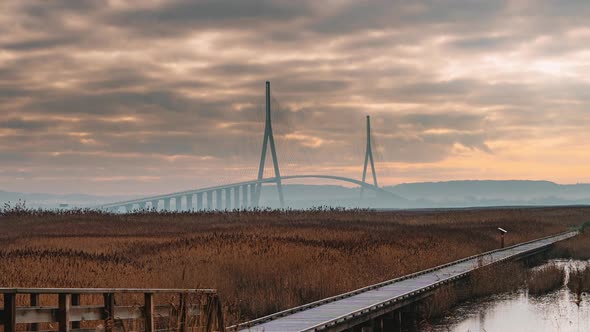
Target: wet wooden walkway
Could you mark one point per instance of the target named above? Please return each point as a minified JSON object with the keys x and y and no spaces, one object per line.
{"x":351,"y":309}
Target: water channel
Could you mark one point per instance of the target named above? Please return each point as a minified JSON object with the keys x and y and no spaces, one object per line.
{"x":521,"y":312}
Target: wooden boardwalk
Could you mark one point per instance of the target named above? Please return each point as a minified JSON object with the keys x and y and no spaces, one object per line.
{"x":351,"y":309}
{"x":181,"y":310}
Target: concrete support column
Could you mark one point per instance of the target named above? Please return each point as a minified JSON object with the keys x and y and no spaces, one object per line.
{"x":167,"y":203}
{"x":144,"y":205}
{"x":178,"y":206}
{"x":227,"y":198}
{"x":236,"y":197}
{"x":189,"y":202}
{"x":199,"y":201}
{"x":218,"y":199}
{"x":245,"y":202}
{"x":209,"y":200}
{"x":253,"y":202}
{"x":155,"y":205}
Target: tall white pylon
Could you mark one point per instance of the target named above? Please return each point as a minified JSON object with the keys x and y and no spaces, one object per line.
{"x":369,"y":157}
{"x":268,"y":138}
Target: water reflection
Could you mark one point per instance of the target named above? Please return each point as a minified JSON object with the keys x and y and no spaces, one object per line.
{"x":556,"y":311}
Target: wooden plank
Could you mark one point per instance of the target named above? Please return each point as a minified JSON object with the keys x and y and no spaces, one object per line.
{"x":149,"y":312}
{"x":75,"y":302}
{"x":63,"y":316}
{"x":30,"y":315}
{"x":34,"y":302}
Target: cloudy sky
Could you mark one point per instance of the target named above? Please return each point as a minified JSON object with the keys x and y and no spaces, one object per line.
{"x":139,"y":97}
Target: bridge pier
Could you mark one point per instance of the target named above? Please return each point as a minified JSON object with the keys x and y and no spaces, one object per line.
{"x":144,"y":205}
{"x":167,"y":204}
{"x":189,"y":202}
{"x":236,"y":204}
{"x":209,"y":200}
{"x":244,"y":196}
{"x":177,"y":205}
{"x":253,"y":198}
{"x":199,"y":201}
{"x":128,"y":208}
{"x":227,"y":198}
{"x":218,"y":203}
{"x":155,"y":205}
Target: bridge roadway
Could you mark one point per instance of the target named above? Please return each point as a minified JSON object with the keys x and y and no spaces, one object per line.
{"x":348,"y":310}
{"x":235,"y":195}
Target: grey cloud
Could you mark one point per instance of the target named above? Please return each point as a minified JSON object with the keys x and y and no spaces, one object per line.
{"x":39,"y":43}
{"x":180,"y":17}
{"x":16,"y":123}
{"x":70,"y":72}
{"x":484,"y":43}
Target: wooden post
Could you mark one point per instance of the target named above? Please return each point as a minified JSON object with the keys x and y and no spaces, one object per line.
{"x":63,"y":316}
{"x":377,"y":324}
{"x":148,"y":306}
{"x":10,"y":312}
{"x":75,"y":302}
{"x":34,"y":302}
{"x":388,"y":323}
{"x":183,"y":312}
{"x":109,"y":308}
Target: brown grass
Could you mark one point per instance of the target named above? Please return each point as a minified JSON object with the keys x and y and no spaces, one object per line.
{"x":261,"y":261}
{"x":579,"y":282}
{"x":575,"y":248}
{"x":545,"y":279}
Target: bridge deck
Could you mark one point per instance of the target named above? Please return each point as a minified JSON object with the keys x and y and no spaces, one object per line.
{"x":319,"y":316}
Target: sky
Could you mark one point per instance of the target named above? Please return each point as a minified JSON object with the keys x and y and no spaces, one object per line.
{"x":151,"y":96}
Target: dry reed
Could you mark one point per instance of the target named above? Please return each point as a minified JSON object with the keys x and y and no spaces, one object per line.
{"x":260,"y":261}
{"x":545,"y":279}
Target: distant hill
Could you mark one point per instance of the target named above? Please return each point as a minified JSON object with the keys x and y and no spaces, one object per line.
{"x":49,"y":201}
{"x":490,"y":192}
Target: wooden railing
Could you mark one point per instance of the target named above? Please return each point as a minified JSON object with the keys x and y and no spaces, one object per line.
{"x":180,"y":310}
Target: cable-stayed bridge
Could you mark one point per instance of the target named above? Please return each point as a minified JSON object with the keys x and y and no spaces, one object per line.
{"x":246,"y":194}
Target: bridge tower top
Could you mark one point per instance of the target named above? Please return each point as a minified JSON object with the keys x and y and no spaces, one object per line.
{"x":269,"y":139}
{"x":369,"y":156}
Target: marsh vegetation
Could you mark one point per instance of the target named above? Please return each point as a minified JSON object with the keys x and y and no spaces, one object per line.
{"x":260,"y":261}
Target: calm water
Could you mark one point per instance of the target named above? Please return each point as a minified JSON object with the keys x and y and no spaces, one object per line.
{"x":556,"y":311}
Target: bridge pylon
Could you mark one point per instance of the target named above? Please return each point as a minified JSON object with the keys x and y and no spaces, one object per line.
{"x":269,"y":139}
{"x":369,"y":157}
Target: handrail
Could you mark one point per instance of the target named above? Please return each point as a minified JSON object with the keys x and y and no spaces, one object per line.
{"x":102,"y":290}
{"x":378,"y":285}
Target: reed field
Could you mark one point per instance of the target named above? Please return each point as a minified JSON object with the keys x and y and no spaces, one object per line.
{"x":576,"y":248}
{"x":545,"y":279}
{"x":259,"y":261}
